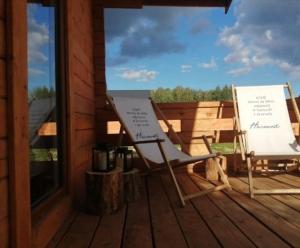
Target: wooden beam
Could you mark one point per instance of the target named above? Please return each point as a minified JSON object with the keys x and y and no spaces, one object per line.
{"x":18,"y":157}
{"x":187,"y":3}
{"x":176,"y":3}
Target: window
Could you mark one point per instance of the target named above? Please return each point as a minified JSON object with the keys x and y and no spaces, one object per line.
{"x":46,"y":105}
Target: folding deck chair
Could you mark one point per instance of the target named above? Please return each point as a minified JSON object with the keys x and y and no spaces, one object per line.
{"x":138,"y":119}
{"x":264,"y":129}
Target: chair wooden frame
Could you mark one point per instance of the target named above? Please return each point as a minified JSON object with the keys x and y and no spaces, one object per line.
{"x":171,"y":163}
{"x":249,"y":156}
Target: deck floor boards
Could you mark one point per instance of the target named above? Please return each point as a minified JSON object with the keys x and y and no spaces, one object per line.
{"x":221,"y":219}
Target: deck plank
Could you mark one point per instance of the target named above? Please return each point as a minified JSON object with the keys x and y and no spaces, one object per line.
{"x":80,"y":232}
{"x":137,"y":231}
{"x":110,"y":230}
{"x":274,"y":204}
{"x":226,"y":232}
{"x":288,"y":232}
{"x":194,"y":228}
{"x":227,"y":218}
{"x":291,"y":200}
{"x":288,"y":179}
{"x":252,"y":228}
{"x":166,"y":231}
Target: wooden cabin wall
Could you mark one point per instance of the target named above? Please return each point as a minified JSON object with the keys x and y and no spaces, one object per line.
{"x":81,"y":93}
{"x":4,"y":205}
{"x":80,"y":78}
{"x":100,"y":81}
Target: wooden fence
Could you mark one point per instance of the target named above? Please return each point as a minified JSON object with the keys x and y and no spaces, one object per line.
{"x":191,"y":120}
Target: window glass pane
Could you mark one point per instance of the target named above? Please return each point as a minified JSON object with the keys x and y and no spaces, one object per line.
{"x":44,"y":93}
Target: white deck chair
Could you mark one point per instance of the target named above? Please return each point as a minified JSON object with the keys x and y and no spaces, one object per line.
{"x":138,"y":119}
{"x":264,"y":128}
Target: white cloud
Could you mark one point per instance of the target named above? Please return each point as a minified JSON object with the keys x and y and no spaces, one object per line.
{"x":268,"y":34}
{"x":186,"y":68}
{"x":38,"y":36}
{"x":260,"y":37}
{"x":35,"y":72}
{"x":139,"y":75}
{"x":210,"y":65}
{"x":239,"y":71}
{"x":293,"y":71}
{"x":149,"y":32}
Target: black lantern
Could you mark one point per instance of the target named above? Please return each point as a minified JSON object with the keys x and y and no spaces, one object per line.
{"x":103,"y":157}
{"x":124,"y":158}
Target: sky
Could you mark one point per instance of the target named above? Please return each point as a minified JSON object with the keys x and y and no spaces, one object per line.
{"x":41,"y":46}
{"x":256,"y":43}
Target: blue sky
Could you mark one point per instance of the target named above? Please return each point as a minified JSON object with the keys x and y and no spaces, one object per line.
{"x":41,"y":49}
{"x":257,"y":42}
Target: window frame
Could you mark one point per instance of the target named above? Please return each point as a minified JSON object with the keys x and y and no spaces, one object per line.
{"x":46,"y":204}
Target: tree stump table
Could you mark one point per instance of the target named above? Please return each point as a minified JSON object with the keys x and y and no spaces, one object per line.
{"x":132,"y":185}
{"x":104,"y":191}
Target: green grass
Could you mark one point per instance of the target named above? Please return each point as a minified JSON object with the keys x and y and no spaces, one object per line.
{"x":39,"y":155}
{"x":223,"y":148}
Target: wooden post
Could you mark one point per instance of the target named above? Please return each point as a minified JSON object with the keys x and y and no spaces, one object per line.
{"x":19,"y":178}
{"x":211,"y":170}
{"x":238,"y":122}
{"x":104,"y":191}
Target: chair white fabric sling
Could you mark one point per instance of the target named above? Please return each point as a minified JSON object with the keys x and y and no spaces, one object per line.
{"x":264,"y":127}
{"x":138,"y":119}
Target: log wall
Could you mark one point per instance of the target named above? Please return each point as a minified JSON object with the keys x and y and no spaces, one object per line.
{"x":81,"y":91}
{"x":4,"y":206}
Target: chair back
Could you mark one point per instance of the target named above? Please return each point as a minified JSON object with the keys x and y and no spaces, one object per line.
{"x":140,"y":122}
{"x":264,"y":115}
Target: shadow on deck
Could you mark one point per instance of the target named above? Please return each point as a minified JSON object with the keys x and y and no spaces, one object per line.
{"x":221,"y":219}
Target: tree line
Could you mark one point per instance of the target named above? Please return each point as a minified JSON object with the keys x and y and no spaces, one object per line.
{"x":167,"y":95}
{"x":182,"y":94}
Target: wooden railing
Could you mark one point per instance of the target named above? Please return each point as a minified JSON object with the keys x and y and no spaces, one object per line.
{"x":191,"y":120}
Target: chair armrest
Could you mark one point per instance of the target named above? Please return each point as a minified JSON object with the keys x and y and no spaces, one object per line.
{"x":236,"y":133}
{"x":202,"y":137}
{"x":149,"y":141}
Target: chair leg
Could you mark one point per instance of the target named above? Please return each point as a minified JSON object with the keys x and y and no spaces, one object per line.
{"x":179,"y":193}
{"x":249,"y":165}
{"x":224,"y":178}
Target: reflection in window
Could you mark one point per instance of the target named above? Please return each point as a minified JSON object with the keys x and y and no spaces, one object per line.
{"x":44,"y":109}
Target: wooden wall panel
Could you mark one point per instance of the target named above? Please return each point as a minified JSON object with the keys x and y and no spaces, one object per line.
{"x":4,"y":206}
{"x":84,"y":138}
{"x":4,"y":186}
{"x":84,"y":105}
{"x":4,"y":232}
{"x":2,"y":9}
{"x":3,"y":86}
{"x":81,"y":76}
{"x":3,"y":168}
{"x":3,"y":118}
{"x":3,"y":40}
{"x":83,"y":89}
{"x":3,"y":148}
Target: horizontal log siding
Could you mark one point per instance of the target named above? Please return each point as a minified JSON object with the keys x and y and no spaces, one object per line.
{"x":4,"y":203}
{"x":99,"y":65}
{"x":81,"y":115}
{"x":83,"y":90}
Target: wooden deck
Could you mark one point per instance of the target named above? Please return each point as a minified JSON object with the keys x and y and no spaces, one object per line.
{"x":222,"y":219}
